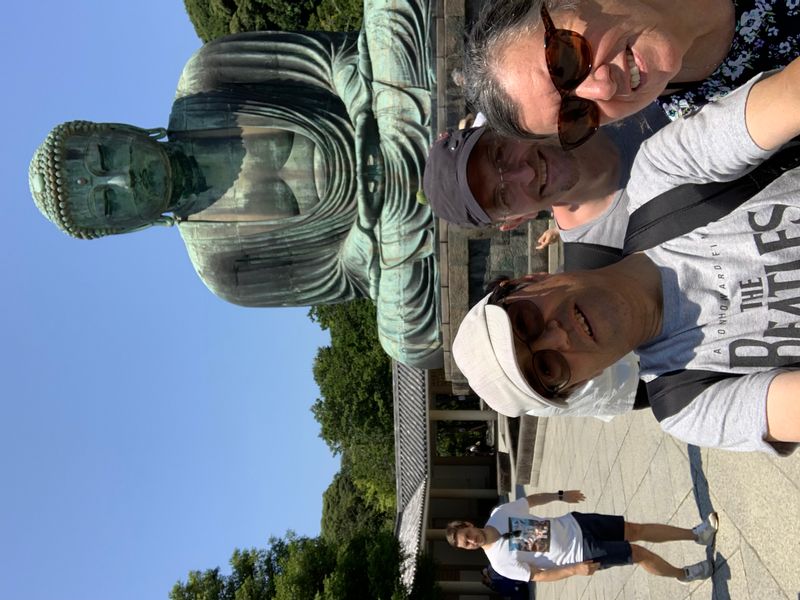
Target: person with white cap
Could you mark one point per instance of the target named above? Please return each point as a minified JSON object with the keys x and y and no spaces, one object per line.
{"x":475,"y":178}
{"x":712,"y":314}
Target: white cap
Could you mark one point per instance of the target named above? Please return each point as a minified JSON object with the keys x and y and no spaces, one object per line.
{"x":484,"y":352}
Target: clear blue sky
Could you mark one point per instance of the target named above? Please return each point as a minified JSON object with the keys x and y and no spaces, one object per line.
{"x":148,"y":428}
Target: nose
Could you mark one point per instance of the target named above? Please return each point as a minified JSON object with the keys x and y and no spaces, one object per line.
{"x":524,"y":173}
{"x":121,"y":180}
{"x":599,"y":85}
{"x":554,"y":337}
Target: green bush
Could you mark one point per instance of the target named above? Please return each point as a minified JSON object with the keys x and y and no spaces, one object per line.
{"x":215,"y":18}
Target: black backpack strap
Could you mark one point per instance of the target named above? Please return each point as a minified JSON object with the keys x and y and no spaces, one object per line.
{"x":672,"y":392}
{"x":641,"y":400}
{"x":579,"y":256}
{"x":687,"y":207}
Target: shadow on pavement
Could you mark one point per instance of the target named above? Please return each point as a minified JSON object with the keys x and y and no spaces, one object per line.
{"x":722,"y":572}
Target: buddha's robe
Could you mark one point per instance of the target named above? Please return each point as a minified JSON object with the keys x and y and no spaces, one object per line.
{"x":315,"y":207}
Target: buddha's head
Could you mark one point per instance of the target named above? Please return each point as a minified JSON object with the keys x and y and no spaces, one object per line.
{"x":96,"y":179}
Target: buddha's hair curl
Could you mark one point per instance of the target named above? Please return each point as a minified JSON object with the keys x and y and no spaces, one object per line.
{"x":47,"y":177}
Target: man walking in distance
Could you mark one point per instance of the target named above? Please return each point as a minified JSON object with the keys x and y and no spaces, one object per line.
{"x":523,"y":546}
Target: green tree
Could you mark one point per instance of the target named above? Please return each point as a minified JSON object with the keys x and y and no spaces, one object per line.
{"x":215,"y":18}
{"x":453,"y":438}
{"x":355,"y":411}
{"x":367,"y":567}
{"x":345,"y":512}
{"x":304,"y":568}
{"x":253,"y":576}
{"x":337,"y":15}
{"x":370,"y":459}
{"x":354,"y":375}
{"x":292,"y":568}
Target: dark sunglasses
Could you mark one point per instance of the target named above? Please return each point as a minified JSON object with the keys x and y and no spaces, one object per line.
{"x":569,"y":62}
{"x":546,"y":371}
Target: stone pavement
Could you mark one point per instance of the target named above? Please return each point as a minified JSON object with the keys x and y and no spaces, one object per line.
{"x":629,"y":467}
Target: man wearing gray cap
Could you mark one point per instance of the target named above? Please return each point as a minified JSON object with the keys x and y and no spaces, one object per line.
{"x":475,"y":178}
{"x":712,"y":314}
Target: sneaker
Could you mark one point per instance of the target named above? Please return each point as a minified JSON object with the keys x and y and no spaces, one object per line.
{"x":702,"y":570}
{"x":705,"y":533}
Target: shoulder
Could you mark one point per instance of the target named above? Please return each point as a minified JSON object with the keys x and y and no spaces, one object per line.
{"x":729,"y":414}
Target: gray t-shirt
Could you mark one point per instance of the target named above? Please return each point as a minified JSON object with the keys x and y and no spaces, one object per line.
{"x":731,"y":289}
{"x":608,"y":228}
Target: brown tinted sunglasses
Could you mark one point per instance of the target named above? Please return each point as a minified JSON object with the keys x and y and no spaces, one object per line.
{"x":569,"y":62}
{"x":546,"y":371}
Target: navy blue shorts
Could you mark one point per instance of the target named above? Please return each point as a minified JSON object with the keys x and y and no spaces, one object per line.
{"x":604,"y":539}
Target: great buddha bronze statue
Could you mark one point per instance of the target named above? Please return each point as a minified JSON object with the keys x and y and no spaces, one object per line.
{"x":290,"y":164}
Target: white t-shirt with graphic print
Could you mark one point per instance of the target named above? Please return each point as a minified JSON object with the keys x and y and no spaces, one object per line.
{"x":541,"y":542}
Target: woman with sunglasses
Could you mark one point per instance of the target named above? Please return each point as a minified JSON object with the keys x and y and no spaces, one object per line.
{"x":571,"y":66}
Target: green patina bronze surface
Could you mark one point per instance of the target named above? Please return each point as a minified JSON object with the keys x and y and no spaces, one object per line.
{"x":291,"y":164}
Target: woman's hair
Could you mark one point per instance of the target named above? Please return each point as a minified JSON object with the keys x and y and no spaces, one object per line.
{"x":500,"y":24}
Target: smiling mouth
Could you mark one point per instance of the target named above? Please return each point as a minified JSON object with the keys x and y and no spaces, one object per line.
{"x":542,"y":173}
{"x":583,"y":322}
{"x":633,"y":70}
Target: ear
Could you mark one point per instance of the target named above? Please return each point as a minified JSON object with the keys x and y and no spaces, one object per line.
{"x":532,"y":277}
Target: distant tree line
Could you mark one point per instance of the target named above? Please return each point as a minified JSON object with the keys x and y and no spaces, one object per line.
{"x":356,"y":554}
{"x":215,"y":18}
{"x":300,"y":568}
{"x":355,"y":408}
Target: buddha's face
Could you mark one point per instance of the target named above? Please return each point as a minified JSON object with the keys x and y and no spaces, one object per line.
{"x":116,"y":178}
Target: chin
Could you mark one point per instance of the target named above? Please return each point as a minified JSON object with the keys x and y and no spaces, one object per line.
{"x":619,"y":110}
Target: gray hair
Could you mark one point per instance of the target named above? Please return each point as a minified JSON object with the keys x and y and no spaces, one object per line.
{"x":500,"y":24}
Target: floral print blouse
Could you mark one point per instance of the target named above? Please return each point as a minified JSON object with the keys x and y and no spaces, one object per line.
{"x":767,"y":36}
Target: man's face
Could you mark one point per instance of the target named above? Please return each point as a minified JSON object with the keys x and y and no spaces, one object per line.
{"x":587,"y":319}
{"x":513,"y":180}
{"x":470,"y":538}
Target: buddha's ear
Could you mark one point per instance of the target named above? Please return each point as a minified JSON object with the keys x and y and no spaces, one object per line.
{"x":165,"y":221}
{"x":162,"y":221}
{"x":157,"y":133}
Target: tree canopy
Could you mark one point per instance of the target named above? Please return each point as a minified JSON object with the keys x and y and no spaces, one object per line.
{"x":355,"y":410}
{"x":253,"y":576}
{"x":366,"y":566}
{"x":215,"y":18}
{"x":354,"y":375}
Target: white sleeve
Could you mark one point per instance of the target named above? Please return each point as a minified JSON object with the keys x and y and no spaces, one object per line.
{"x":731,"y":415}
{"x":513,"y":569}
{"x":711,"y":145}
{"x":503,"y":563}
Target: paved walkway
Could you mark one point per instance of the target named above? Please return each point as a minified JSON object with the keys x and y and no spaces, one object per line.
{"x":629,"y":467}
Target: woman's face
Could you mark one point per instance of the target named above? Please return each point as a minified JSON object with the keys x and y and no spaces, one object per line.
{"x":635,"y":55}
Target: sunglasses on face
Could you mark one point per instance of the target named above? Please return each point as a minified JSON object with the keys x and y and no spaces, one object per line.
{"x":546,"y":371}
{"x":569,"y":62}
{"x":499,"y":160}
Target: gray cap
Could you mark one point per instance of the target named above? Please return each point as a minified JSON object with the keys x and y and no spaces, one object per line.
{"x":445,"y":181}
